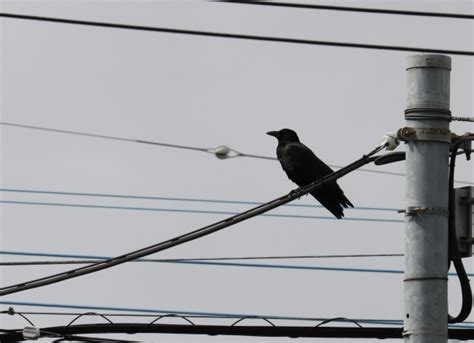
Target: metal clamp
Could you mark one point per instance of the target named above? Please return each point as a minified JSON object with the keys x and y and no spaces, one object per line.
{"x":433,"y":114}
{"x":425,"y":278}
{"x":416,"y":210}
{"x":410,"y":134}
{"x":407,"y":333}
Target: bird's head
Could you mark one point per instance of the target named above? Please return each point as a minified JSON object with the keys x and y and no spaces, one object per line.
{"x":284,"y":135}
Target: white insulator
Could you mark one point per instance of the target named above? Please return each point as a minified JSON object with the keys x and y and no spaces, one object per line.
{"x":390,"y":139}
{"x":222,"y":152}
{"x":31,"y":333}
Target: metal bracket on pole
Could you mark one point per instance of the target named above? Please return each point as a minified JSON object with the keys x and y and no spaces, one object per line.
{"x":434,"y":114}
{"x":463,"y":198}
{"x":418,"y":210}
{"x":410,"y":134}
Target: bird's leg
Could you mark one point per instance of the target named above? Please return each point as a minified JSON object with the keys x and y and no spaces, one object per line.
{"x":295,"y":193}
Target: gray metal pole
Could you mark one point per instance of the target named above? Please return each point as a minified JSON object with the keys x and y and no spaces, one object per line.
{"x":426,"y":223}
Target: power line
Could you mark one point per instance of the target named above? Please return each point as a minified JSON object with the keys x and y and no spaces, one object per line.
{"x":153,"y":313}
{"x":215,"y":262}
{"x":208,"y":261}
{"x":232,"y":153}
{"x":70,"y":332}
{"x":194,"y":314}
{"x":190,"y":236}
{"x":226,"y":258}
{"x":115,"y":138}
{"x":253,"y":265}
{"x":11,"y":311}
{"x":181,"y":210}
{"x":350,"y":9}
{"x":179,"y":199}
{"x":469,"y":119}
{"x":235,"y":36}
{"x":214,"y":330}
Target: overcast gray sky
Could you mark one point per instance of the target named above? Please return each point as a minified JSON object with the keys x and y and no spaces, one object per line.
{"x":205,"y":92}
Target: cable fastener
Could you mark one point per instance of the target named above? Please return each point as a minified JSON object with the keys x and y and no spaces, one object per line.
{"x":407,"y":333}
{"x":31,"y":333}
{"x":416,"y":210}
{"x":410,"y":134}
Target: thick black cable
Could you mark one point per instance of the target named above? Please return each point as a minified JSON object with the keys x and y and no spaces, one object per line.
{"x":453,"y":247}
{"x":204,"y":231}
{"x":350,"y":9}
{"x":235,"y":36}
{"x":213,"y":330}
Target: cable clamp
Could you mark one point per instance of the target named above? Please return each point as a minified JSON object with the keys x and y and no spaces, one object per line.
{"x":390,"y":141}
{"x":425,"y":278}
{"x":411,"y":134}
{"x":407,"y":333}
{"x":416,"y":210}
{"x":31,"y":333}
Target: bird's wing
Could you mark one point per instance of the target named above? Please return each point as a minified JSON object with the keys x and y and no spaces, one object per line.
{"x":303,"y":167}
{"x":300,"y":164}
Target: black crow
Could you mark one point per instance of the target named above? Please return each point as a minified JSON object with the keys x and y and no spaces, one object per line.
{"x":303,"y":167}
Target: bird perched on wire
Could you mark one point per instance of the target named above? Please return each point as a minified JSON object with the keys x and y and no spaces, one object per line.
{"x":303,"y":167}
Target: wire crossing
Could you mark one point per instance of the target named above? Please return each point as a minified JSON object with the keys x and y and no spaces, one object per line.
{"x":201,"y":232}
{"x":349,"y":9}
{"x":217,"y":262}
{"x":216,"y":34}
{"x":233,"y":258}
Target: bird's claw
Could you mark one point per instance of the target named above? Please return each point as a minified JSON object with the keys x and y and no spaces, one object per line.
{"x":296,"y":193}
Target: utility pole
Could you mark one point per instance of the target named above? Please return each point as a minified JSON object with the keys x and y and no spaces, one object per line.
{"x":426,"y":224}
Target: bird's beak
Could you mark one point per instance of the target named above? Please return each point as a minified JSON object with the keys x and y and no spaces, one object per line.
{"x":273,"y":133}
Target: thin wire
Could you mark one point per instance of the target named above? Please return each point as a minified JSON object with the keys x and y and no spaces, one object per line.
{"x":148,"y":313}
{"x":338,"y":319}
{"x":350,"y":9}
{"x":87,"y":258}
{"x":470,"y":119}
{"x":169,"y":145}
{"x":260,"y":265}
{"x":272,"y":266}
{"x":171,"y":315}
{"x":179,"y":210}
{"x":194,"y":314}
{"x":253,"y":317}
{"x":234,"y":36}
{"x":89,"y":313}
{"x":115,"y":138}
{"x":195,"y":234}
{"x":140,"y":197}
{"x":11,"y":312}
